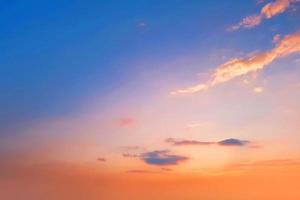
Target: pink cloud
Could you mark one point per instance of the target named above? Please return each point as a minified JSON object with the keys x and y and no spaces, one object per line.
{"x":127,"y":121}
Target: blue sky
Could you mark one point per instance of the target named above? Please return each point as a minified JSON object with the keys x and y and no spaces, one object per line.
{"x":58,"y":54}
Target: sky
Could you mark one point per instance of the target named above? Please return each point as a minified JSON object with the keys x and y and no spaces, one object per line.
{"x":143,"y":100}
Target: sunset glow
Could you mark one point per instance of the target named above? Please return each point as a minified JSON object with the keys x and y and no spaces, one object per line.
{"x":150,"y":100}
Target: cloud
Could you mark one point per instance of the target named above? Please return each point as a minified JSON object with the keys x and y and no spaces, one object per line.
{"x":166,"y":169}
{"x":276,"y":38}
{"x":133,"y":148}
{"x":193,"y":89}
{"x":267,"y":12}
{"x":258,"y":90}
{"x":101,"y":159}
{"x":233,"y":142}
{"x":141,"y":24}
{"x":129,"y":155}
{"x":275,"y":8}
{"x":186,"y":142}
{"x":162,"y":158}
{"x":237,"y":67}
{"x":247,"y":22}
{"x":265,"y":163}
{"x":200,"y":124}
{"x":226,"y":142}
{"x":139,"y":171}
{"x":127,"y":121}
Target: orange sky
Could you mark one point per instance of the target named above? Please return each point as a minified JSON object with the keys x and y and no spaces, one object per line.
{"x":150,"y":100}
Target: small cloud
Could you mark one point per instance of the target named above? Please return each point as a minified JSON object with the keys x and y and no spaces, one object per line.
{"x":162,"y":158}
{"x":166,"y":169}
{"x":258,"y":90}
{"x":101,"y":159}
{"x":127,"y":121}
{"x":193,"y":89}
{"x":134,"y":148}
{"x":248,"y":22}
{"x":246,"y":81}
{"x":233,"y":142}
{"x":200,"y":124}
{"x":141,"y":24}
{"x":276,"y":38}
{"x":128,"y":155}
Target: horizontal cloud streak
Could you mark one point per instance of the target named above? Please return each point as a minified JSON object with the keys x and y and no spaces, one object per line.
{"x":139,"y":171}
{"x":265,"y":163}
{"x":241,"y":66}
{"x":226,"y":142}
{"x":187,"y":142}
{"x":101,"y":159}
{"x":128,"y":155}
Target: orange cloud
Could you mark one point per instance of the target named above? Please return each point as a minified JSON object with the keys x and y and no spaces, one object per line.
{"x":241,"y":66}
{"x":275,"y":8}
{"x":258,"y":89}
{"x":267,"y":12}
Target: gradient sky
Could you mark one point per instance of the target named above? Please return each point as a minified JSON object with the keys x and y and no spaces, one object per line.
{"x":141,"y":99}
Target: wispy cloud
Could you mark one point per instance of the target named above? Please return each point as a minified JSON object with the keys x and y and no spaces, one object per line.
{"x":139,"y":171}
{"x":267,"y":12}
{"x":200,"y":124}
{"x":129,"y":155}
{"x":186,"y":142}
{"x":101,"y":159}
{"x":247,"y":22}
{"x":253,"y":63}
{"x":166,"y":169}
{"x":226,"y":142}
{"x":265,"y":163}
{"x":162,"y":158}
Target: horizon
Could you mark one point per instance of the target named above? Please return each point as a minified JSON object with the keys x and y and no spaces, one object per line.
{"x":150,"y":99}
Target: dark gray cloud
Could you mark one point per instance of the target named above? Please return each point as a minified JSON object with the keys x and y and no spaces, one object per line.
{"x":226,"y":142}
{"x":233,"y":142}
{"x":162,"y":158}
